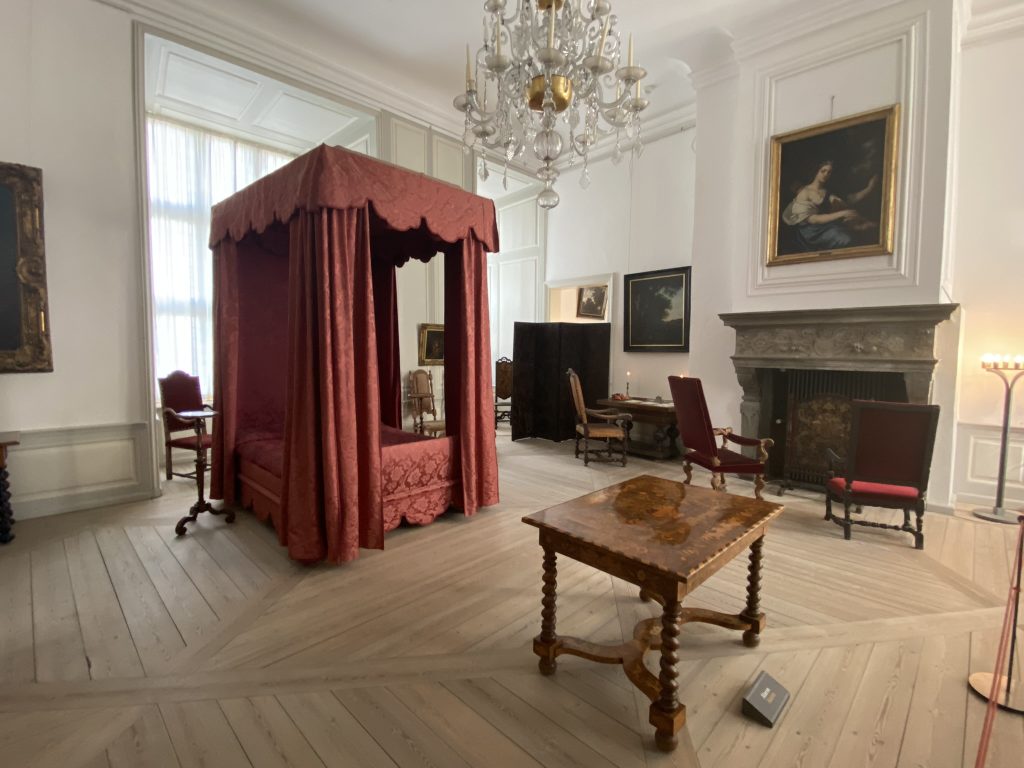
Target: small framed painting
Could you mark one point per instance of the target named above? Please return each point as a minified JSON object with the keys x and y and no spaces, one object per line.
{"x":833,"y":189}
{"x":591,"y":301}
{"x":657,"y":311}
{"x":431,"y":346}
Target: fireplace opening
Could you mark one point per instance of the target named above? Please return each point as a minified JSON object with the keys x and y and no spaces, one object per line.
{"x":810,"y":412}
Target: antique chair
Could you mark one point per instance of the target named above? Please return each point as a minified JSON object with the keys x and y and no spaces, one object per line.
{"x":502,"y":390}
{"x":887,"y":463}
{"x":181,"y":392}
{"x":421,"y":396}
{"x":613,"y":429}
{"x":698,"y":438}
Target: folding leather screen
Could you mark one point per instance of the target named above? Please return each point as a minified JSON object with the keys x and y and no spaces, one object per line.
{"x":542,"y":353}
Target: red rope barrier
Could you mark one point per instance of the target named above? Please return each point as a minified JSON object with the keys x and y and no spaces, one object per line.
{"x":1004,"y":641}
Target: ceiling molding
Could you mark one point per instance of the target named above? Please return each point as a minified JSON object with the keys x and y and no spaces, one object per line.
{"x":1004,"y":21}
{"x":255,"y":49}
{"x":775,"y":29}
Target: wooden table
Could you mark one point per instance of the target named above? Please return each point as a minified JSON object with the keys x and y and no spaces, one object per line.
{"x":7,"y":439}
{"x":198,"y":419}
{"x":667,"y":538}
{"x":661,"y":415}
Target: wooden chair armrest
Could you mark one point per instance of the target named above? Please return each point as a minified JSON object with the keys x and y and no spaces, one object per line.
{"x":834,"y":461}
{"x":722,"y":432}
{"x":609,"y":415}
{"x":761,"y":443}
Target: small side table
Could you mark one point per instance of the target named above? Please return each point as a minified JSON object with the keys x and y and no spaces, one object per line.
{"x":7,"y":439}
{"x":198,"y":419}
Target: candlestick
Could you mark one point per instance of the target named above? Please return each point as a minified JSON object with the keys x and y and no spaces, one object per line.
{"x":627,"y":383}
{"x":631,"y":49}
{"x":497,"y":34}
{"x":604,"y":34}
{"x":551,"y":26}
{"x":999,"y":364}
{"x":469,"y":74}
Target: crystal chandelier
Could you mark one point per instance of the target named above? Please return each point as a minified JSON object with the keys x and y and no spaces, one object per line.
{"x":552,"y":82}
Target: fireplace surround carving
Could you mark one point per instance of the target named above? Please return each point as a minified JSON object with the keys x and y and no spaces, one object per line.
{"x":898,"y":339}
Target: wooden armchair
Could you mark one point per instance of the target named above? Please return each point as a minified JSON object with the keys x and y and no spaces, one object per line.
{"x":698,"y":438}
{"x":421,"y":396}
{"x":502,"y":390}
{"x":181,"y":392}
{"x":887,"y":463}
{"x":612,"y":426}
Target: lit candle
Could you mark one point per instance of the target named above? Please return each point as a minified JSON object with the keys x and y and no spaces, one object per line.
{"x":631,"y":49}
{"x":604,"y":34}
{"x":551,"y":26}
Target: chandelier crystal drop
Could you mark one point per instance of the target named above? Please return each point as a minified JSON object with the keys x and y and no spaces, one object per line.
{"x":549,"y":79}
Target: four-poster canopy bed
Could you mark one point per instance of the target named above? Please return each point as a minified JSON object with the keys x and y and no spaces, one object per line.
{"x":307,"y":373}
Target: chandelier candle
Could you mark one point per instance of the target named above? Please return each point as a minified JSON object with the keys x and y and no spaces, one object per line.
{"x":549,"y":69}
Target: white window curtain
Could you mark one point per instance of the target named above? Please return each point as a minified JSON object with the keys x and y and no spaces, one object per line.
{"x":190,"y":170}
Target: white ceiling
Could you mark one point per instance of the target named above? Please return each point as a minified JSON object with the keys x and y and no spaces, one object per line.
{"x":416,"y":46}
{"x":194,"y":87}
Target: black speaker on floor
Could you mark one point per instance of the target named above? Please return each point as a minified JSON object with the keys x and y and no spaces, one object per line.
{"x":765,"y":700}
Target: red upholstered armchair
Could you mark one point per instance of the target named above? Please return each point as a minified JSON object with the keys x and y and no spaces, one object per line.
{"x":698,"y":438}
{"x":887,"y":464}
{"x":181,"y":392}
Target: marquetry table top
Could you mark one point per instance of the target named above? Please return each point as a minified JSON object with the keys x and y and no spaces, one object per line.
{"x":672,"y":528}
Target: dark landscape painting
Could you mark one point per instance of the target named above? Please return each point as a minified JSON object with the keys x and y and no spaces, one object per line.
{"x":657,"y":311}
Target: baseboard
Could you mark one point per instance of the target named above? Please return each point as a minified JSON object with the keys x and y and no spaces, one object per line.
{"x":68,"y":469}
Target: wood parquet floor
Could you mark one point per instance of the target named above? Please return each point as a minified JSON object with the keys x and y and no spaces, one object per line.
{"x":122,"y":646}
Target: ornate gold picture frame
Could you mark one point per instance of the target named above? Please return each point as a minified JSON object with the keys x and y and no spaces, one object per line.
{"x":833,"y":189}
{"x":24,"y":332}
{"x":431,"y":344}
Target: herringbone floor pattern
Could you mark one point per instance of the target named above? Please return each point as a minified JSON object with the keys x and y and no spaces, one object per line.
{"x":123,"y":646}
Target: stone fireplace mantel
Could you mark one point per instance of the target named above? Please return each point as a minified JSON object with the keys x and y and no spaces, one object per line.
{"x":900,"y":339}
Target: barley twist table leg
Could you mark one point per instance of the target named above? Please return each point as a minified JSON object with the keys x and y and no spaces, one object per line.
{"x":667,"y":715}
{"x":752,"y":613}
{"x":546,"y":641}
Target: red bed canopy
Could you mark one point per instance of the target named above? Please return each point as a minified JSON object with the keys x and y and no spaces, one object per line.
{"x":306,"y":335}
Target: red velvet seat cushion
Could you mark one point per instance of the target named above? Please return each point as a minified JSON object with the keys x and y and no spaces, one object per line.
{"x":876,"y":492}
{"x":190,"y":442}
{"x":730,"y":462}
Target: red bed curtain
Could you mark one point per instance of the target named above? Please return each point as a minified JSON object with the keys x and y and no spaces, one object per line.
{"x":349,"y":221}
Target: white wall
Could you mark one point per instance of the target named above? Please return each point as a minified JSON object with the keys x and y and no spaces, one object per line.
{"x":67,"y":109}
{"x":989,"y":268}
{"x":634,"y":217}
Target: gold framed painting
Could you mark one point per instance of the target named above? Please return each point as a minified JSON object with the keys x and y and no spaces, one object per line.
{"x":431,"y":344}
{"x":24,"y":335}
{"x":833,"y":189}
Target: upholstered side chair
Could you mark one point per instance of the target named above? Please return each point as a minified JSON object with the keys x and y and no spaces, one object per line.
{"x":611,"y":426}
{"x":699,"y":444}
{"x":421,"y":397}
{"x":181,"y":392}
{"x":887,"y":463}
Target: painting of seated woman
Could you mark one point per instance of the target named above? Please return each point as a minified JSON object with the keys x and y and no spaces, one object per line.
{"x":833,"y":188}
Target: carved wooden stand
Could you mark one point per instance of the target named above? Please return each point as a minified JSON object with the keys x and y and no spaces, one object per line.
{"x":667,"y":715}
{"x":6,"y":514}
{"x":202,"y":505}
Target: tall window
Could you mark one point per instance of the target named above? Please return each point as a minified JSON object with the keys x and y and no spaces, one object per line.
{"x":190,"y":170}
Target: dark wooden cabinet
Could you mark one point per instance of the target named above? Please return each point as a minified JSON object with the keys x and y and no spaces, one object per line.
{"x":543,"y":352}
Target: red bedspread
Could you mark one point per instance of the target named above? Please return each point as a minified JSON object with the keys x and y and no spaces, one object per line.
{"x":418,"y":476}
